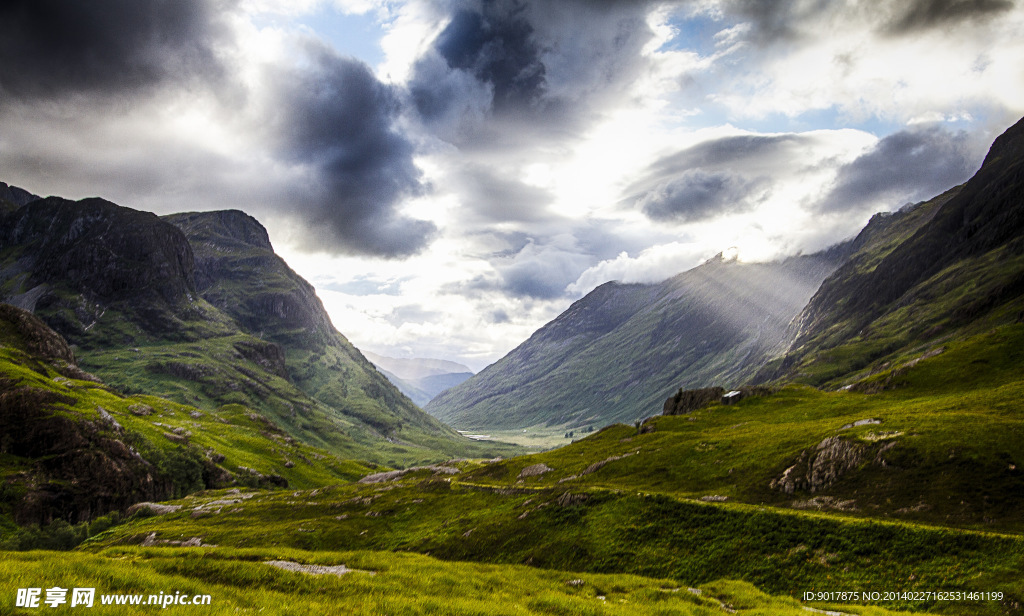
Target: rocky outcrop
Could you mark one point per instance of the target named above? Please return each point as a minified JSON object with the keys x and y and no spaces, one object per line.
{"x":91,"y":255}
{"x":29,"y":333}
{"x":818,"y":469}
{"x":267,"y":355}
{"x":534,"y":470}
{"x":688,"y":400}
{"x":101,"y":249}
{"x":15,"y":196}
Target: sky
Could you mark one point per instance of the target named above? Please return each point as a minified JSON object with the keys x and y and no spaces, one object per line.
{"x":452,"y":174}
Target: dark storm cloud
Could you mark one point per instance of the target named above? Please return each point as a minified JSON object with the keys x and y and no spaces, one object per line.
{"x":908,"y":165}
{"x":493,"y":43}
{"x":771,"y":20}
{"x":924,"y":14}
{"x":783,"y":21}
{"x":698,"y":195}
{"x":339,"y":121}
{"x":715,"y":177}
{"x":54,"y":48}
{"x":504,"y":73}
{"x":497,"y":46}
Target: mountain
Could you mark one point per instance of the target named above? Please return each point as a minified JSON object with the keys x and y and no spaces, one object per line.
{"x":955,"y":270}
{"x":73,"y":449}
{"x":12,"y":197}
{"x":129,"y":291}
{"x":616,"y":353}
{"x":420,"y":378}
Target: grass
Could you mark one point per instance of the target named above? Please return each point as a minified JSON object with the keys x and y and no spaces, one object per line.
{"x":243,"y":437}
{"x":603,"y":531}
{"x":239,"y":582}
{"x":950,"y":427}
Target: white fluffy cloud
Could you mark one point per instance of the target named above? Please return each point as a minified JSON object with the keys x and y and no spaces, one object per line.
{"x":507,"y":156}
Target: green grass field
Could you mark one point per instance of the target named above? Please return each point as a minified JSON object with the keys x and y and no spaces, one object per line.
{"x":240,"y":582}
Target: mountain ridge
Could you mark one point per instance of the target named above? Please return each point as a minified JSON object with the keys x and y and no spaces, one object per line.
{"x":614,"y":354}
{"x":129,"y":290}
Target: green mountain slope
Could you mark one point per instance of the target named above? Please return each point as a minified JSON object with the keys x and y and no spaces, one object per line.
{"x":615,"y":354}
{"x":72,"y":448}
{"x":126,"y":289}
{"x":238,"y":272}
{"x":958,"y":273}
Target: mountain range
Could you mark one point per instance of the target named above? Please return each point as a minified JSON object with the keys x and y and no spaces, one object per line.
{"x":198,"y":309}
{"x":911,"y":278}
{"x":420,"y":378}
{"x":613,"y":355}
{"x":880,"y":449}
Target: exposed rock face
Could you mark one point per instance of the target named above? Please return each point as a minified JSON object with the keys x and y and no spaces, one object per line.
{"x":92,"y":255}
{"x":819,"y":469}
{"x":534,"y":470}
{"x":689,"y":400}
{"x":29,"y":333}
{"x":79,"y":470}
{"x":267,"y":355}
{"x":238,"y":272}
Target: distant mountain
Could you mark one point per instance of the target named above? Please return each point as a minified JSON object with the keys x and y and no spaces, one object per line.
{"x":420,"y":378}
{"x":616,"y":353}
{"x":203,"y":312}
{"x":952,"y":267}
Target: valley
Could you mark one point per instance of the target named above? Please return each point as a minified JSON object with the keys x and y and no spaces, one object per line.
{"x":177,"y":410}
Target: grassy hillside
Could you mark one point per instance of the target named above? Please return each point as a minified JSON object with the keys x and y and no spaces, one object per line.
{"x":73,"y":449}
{"x":693,"y":543}
{"x":940,"y":442}
{"x":909,"y":481}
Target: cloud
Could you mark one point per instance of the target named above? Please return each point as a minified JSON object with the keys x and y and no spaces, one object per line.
{"x":729,"y":151}
{"x":654,"y":264}
{"x":365,"y":285}
{"x":771,"y":21}
{"x":50,"y":49}
{"x":698,"y":195}
{"x":494,"y":198}
{"x":538,"y":271}
{"x":338,"y":121}
{"x":768,"y":23}
{"x":909,"y":165}
{"x":716,"y":177}
{"x":496,"y":45}
{"x":412,"y":313}
{"x":925,"y":14}
{"x":515,"y":72}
